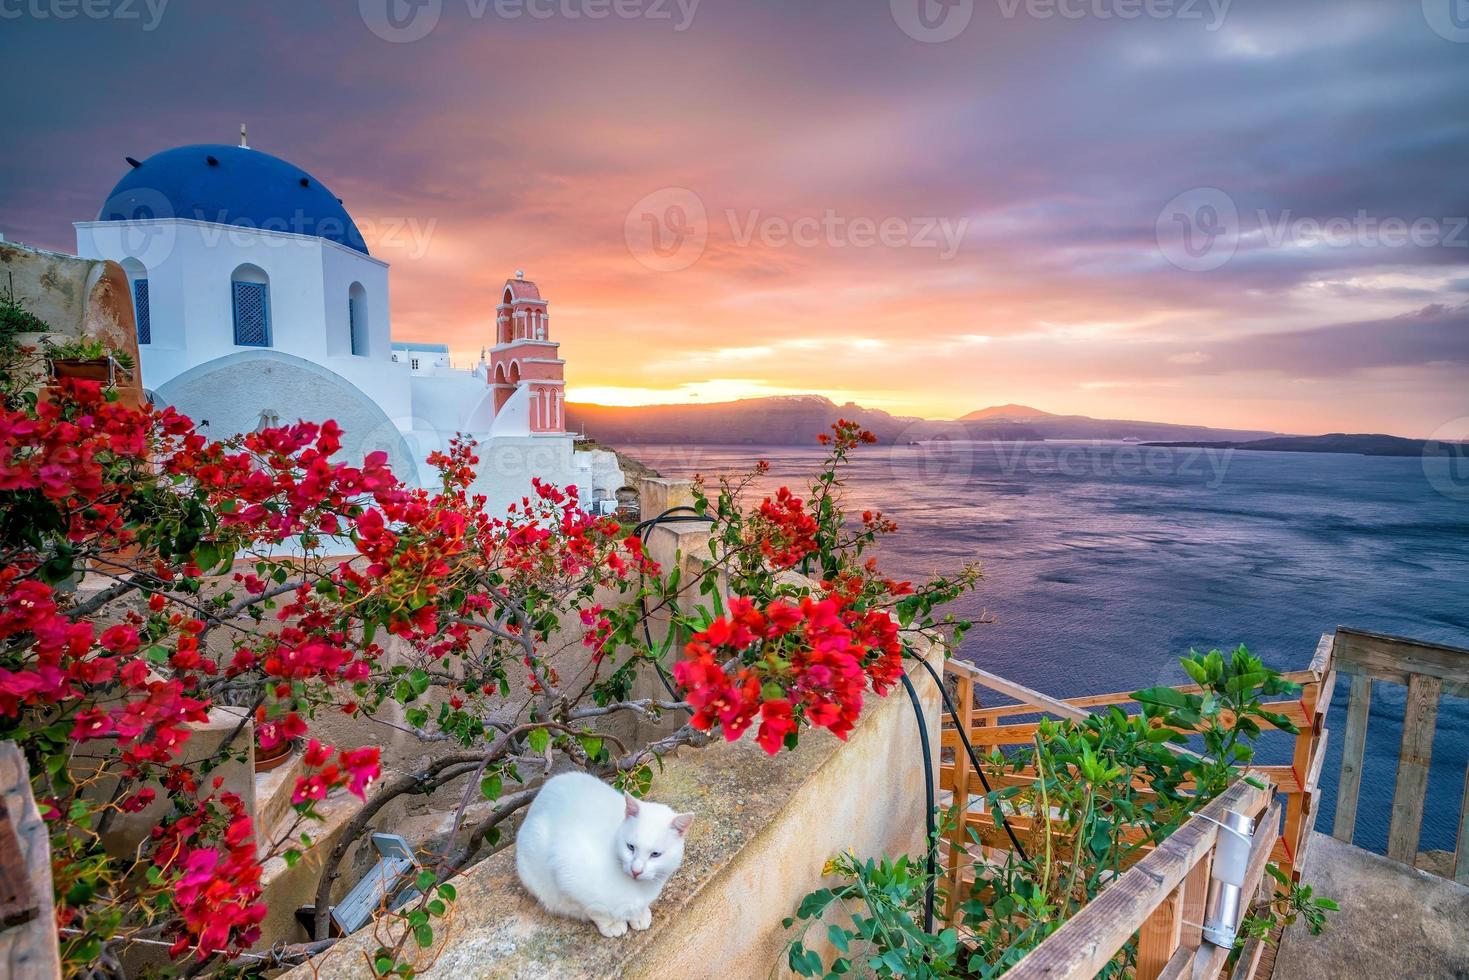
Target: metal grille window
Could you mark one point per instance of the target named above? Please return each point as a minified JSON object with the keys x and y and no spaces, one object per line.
{"x":252,"y":314}
{"x":140,"y":311}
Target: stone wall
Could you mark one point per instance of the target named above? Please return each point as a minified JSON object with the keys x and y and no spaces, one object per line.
{"x":78,"y":298}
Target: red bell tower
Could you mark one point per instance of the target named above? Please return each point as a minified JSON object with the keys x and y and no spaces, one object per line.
{"x":524,"y":369}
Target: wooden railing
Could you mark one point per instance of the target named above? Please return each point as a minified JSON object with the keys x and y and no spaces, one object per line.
{"x":1161,"y":898}
{"x":1428,"y":672}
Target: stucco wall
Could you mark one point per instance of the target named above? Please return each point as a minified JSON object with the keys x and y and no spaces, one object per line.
{"x":231,"y":392}
{"x":765,"y":827}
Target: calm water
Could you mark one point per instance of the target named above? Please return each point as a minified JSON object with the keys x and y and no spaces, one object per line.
{"x":1104,"y":562}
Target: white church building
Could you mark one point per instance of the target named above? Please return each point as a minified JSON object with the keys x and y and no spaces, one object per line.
{"x":257,"y":302}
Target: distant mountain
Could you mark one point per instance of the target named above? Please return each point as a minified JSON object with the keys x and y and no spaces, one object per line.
{"x":796,"y":420}
{"x":1009,"y":413}
{"x":1362,"y":444}
{"x":1050,"y":426}
{"x":784,"y":420}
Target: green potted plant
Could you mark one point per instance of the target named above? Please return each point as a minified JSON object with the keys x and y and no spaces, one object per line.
{"x":88,"y":359}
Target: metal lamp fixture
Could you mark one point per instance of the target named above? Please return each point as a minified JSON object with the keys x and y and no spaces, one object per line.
{"x":1231,"y":861}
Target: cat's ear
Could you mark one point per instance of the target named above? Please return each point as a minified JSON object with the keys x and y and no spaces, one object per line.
{"x":681,"y":822}
{"x":632,"y":805}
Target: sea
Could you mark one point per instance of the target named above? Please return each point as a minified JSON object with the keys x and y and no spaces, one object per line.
{"x":1104,"y":562}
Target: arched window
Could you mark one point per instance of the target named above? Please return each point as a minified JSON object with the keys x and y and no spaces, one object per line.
{"x":137,"y":274}
{"x":357,"y":318}
{"x":250,"y":293}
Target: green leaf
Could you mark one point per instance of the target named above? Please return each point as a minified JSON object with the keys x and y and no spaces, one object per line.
{"x":796,"y":960}
{"x":425,"y":880}
{"x":492,"y":787}
{"x":1165,"y":696}
{"x":424,"y":935}
{"x":815,"y":903}
{"x":539,"y":738}
{"x":1196,"y":670}
{"x":838,"y":937}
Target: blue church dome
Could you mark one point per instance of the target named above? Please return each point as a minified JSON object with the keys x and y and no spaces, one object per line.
{"x":232,"y":185}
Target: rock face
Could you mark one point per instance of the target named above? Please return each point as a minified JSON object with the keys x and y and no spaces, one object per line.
{"x":1395,"y":921}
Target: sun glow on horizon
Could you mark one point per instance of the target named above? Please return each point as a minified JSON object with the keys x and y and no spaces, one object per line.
{"x":707,"y":392}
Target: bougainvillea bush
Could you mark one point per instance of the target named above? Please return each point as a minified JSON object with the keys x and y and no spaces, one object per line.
{"x":153,"y":575}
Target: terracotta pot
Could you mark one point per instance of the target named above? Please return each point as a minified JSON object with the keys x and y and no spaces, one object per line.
{"x":266,"y":760}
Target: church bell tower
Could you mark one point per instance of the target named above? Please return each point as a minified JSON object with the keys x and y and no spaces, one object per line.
{"x":524,"y":370}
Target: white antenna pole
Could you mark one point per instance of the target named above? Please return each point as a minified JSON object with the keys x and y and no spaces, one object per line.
{"x":243,"y":141}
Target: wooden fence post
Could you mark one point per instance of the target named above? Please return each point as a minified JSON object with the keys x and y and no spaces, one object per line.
{"x":1353,"y":751}
{"x":1411,"y":788}
{"x":958,"y":837}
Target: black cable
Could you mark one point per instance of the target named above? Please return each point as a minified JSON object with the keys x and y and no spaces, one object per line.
{"x":973,"y":759}
{"x":673,"y":515}
{"x":684,"y":513}
{"x":928,"y":794}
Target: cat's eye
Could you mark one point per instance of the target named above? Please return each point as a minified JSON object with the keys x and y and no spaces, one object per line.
{"x":631,"y":848}
{"x":656,"y":854}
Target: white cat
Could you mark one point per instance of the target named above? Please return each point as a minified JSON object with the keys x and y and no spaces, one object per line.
{"x":587,"y":852}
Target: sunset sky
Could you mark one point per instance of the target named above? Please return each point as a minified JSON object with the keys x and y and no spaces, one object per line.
{"x":921,"y":225}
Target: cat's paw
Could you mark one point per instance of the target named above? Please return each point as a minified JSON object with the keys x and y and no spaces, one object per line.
{"x":612,"y":928}
{"x":642,"y":920}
